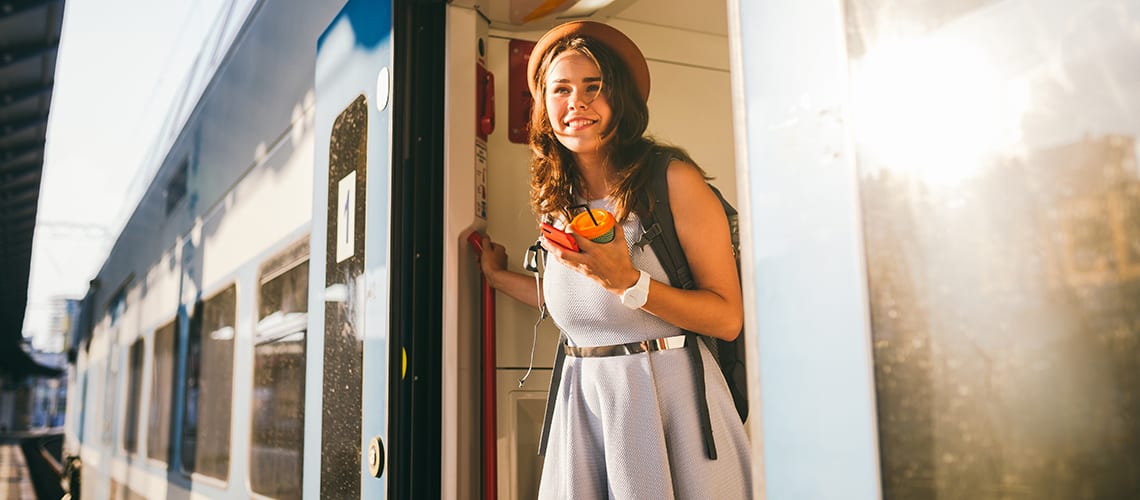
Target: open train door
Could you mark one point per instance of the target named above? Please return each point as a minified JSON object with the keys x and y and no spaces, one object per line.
{"x":376,"y":296}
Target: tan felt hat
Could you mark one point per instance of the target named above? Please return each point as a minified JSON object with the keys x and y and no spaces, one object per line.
{"x":611,"y":37}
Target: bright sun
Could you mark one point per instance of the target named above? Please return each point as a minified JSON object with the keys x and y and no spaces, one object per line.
{"x":934,"y":108}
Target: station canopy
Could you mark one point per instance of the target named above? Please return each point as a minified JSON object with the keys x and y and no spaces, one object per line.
{"x":29,"y":39}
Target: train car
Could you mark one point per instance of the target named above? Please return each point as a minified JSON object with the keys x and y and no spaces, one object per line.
{"x":938,"y":213}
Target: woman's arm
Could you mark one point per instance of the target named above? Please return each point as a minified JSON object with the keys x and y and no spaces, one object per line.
{"x":518,"y":286}
{"x":715,"y":307}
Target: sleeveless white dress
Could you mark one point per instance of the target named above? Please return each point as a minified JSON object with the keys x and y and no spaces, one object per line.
{"x":626,"y":427}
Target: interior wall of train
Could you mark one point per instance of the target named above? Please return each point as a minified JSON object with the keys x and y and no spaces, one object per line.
{"x":689,"y":106}
{"x":938,"y":212}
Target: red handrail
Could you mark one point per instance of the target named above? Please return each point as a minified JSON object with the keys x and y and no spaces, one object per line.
{"x":490,"y":451}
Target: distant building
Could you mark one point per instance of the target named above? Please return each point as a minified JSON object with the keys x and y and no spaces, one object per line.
{"x":61,"y":311}
{"x":37,"y":403}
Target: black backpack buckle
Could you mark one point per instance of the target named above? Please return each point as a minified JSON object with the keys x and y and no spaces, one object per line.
{"x":530,"y":260}
{"x":647,"y":236}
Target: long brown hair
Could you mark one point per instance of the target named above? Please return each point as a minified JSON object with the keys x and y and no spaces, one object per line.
{"x":553,"y":176}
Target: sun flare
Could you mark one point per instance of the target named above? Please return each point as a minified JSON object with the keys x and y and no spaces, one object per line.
{"x":935,"y":109}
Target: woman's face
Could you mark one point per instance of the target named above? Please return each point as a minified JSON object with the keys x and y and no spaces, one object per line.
{"x":578,"y":110}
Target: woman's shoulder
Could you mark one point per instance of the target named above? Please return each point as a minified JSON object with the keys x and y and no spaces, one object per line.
{"x":684,"y":175}
{"x":678,"y":164}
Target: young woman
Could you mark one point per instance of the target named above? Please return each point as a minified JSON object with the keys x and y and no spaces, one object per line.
{"x":624,"y":421}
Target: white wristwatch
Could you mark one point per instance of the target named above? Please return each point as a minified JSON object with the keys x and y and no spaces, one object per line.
{"x":635,"y":296}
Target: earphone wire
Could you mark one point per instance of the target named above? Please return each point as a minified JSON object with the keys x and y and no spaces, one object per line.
{"x":532,"y":263}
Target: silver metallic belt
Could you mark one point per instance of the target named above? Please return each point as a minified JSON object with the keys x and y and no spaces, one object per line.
{"x":603,"y":351}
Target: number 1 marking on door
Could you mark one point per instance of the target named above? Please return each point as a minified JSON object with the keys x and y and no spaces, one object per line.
{"x":346,"y":217}
{"x":347,"y":204}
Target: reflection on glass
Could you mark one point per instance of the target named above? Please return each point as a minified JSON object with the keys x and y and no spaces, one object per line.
{"x":996,"y":149}
{"x":343,"y":387}
{"x":161,"y":389}
{"x":285,"y":294}
{"x":209,"y":380}
{"x":278,"y":423}
{"x":134,"y":392}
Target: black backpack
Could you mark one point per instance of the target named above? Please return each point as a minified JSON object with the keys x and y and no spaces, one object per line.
{"x":661,"y":235}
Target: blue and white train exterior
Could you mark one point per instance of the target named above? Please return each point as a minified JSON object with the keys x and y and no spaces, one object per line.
{"x":939,"y":209}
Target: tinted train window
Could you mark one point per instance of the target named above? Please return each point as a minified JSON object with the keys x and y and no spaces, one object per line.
{"x":277,"y":429}
{"x":94,"y":397}
{"x":83,"y":408}
{"x":111,"y":388}
{"x":342,"y":386}
{"x":118,"y":305}
{"x":209,"y":379}
{"x":134,"y":392}
{"x":997,"y":161}
{"x":177,"y":186}
{"x":161,"y":392}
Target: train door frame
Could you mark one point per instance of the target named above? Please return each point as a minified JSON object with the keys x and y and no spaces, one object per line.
{"x":349,"y":351}
{"x":419,"y":30}
{"x":802,"y":228}
{"x":376,"y":58}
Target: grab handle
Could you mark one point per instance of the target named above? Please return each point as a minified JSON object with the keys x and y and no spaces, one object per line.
{"x":490,"y":452}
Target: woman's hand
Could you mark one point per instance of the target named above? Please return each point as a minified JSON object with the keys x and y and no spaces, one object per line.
{"x":492,"y":260}
{"x":608,"y":264}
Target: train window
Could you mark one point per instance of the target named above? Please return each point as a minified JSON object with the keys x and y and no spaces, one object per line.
{"x":161,"y":391}
{"x":83,"y":404}
{"x":278,"y":407}
{"x":111,"y":387}
{"x":177,"y":186}
{"x":94,"y":397}
{"x":134,"y":392}
{"x":997,"y":158}
{"x":342,"y":387}
{"x":118,"y":305}
{"x":209,"y":379}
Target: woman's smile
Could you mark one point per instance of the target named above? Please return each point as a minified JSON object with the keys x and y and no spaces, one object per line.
{"x":579,"y":123}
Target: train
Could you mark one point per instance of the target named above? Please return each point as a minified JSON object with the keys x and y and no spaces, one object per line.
{"x":938,"y":212}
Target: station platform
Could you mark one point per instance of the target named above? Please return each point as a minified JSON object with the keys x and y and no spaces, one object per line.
{"x":15,"y":481}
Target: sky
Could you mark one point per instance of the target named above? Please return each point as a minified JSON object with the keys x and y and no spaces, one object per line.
{"x":120,"y":67}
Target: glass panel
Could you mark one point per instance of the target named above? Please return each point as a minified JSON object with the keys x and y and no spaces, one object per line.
{"x":209,"y":379}
{"x":161,"y":391}
{"x":277,"y":436}
{"x":278,"y":422}
{"x":83,"y":409}
{"x":344,"y":350}
{"x":111,"y":388}
{"x":134,"y":392}
{"x":285,"y":295}
{"x":118,"y":306}
{"x":996,"y":150}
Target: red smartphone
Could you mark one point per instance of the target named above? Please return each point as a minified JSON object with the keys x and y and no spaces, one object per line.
{"x":557,"y":236}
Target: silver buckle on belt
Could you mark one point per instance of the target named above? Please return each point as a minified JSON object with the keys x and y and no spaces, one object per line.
{"x":602,"y":351}
{"x":665,"y":343}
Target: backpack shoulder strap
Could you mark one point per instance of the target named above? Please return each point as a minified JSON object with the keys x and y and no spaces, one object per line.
{"x":733,"y":222}
{"x":660,"y":230}
{"x":552,"y":395}
{"x":661,"y":234}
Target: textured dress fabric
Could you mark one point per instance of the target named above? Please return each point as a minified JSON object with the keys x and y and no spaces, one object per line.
{"x":626,"y":427}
